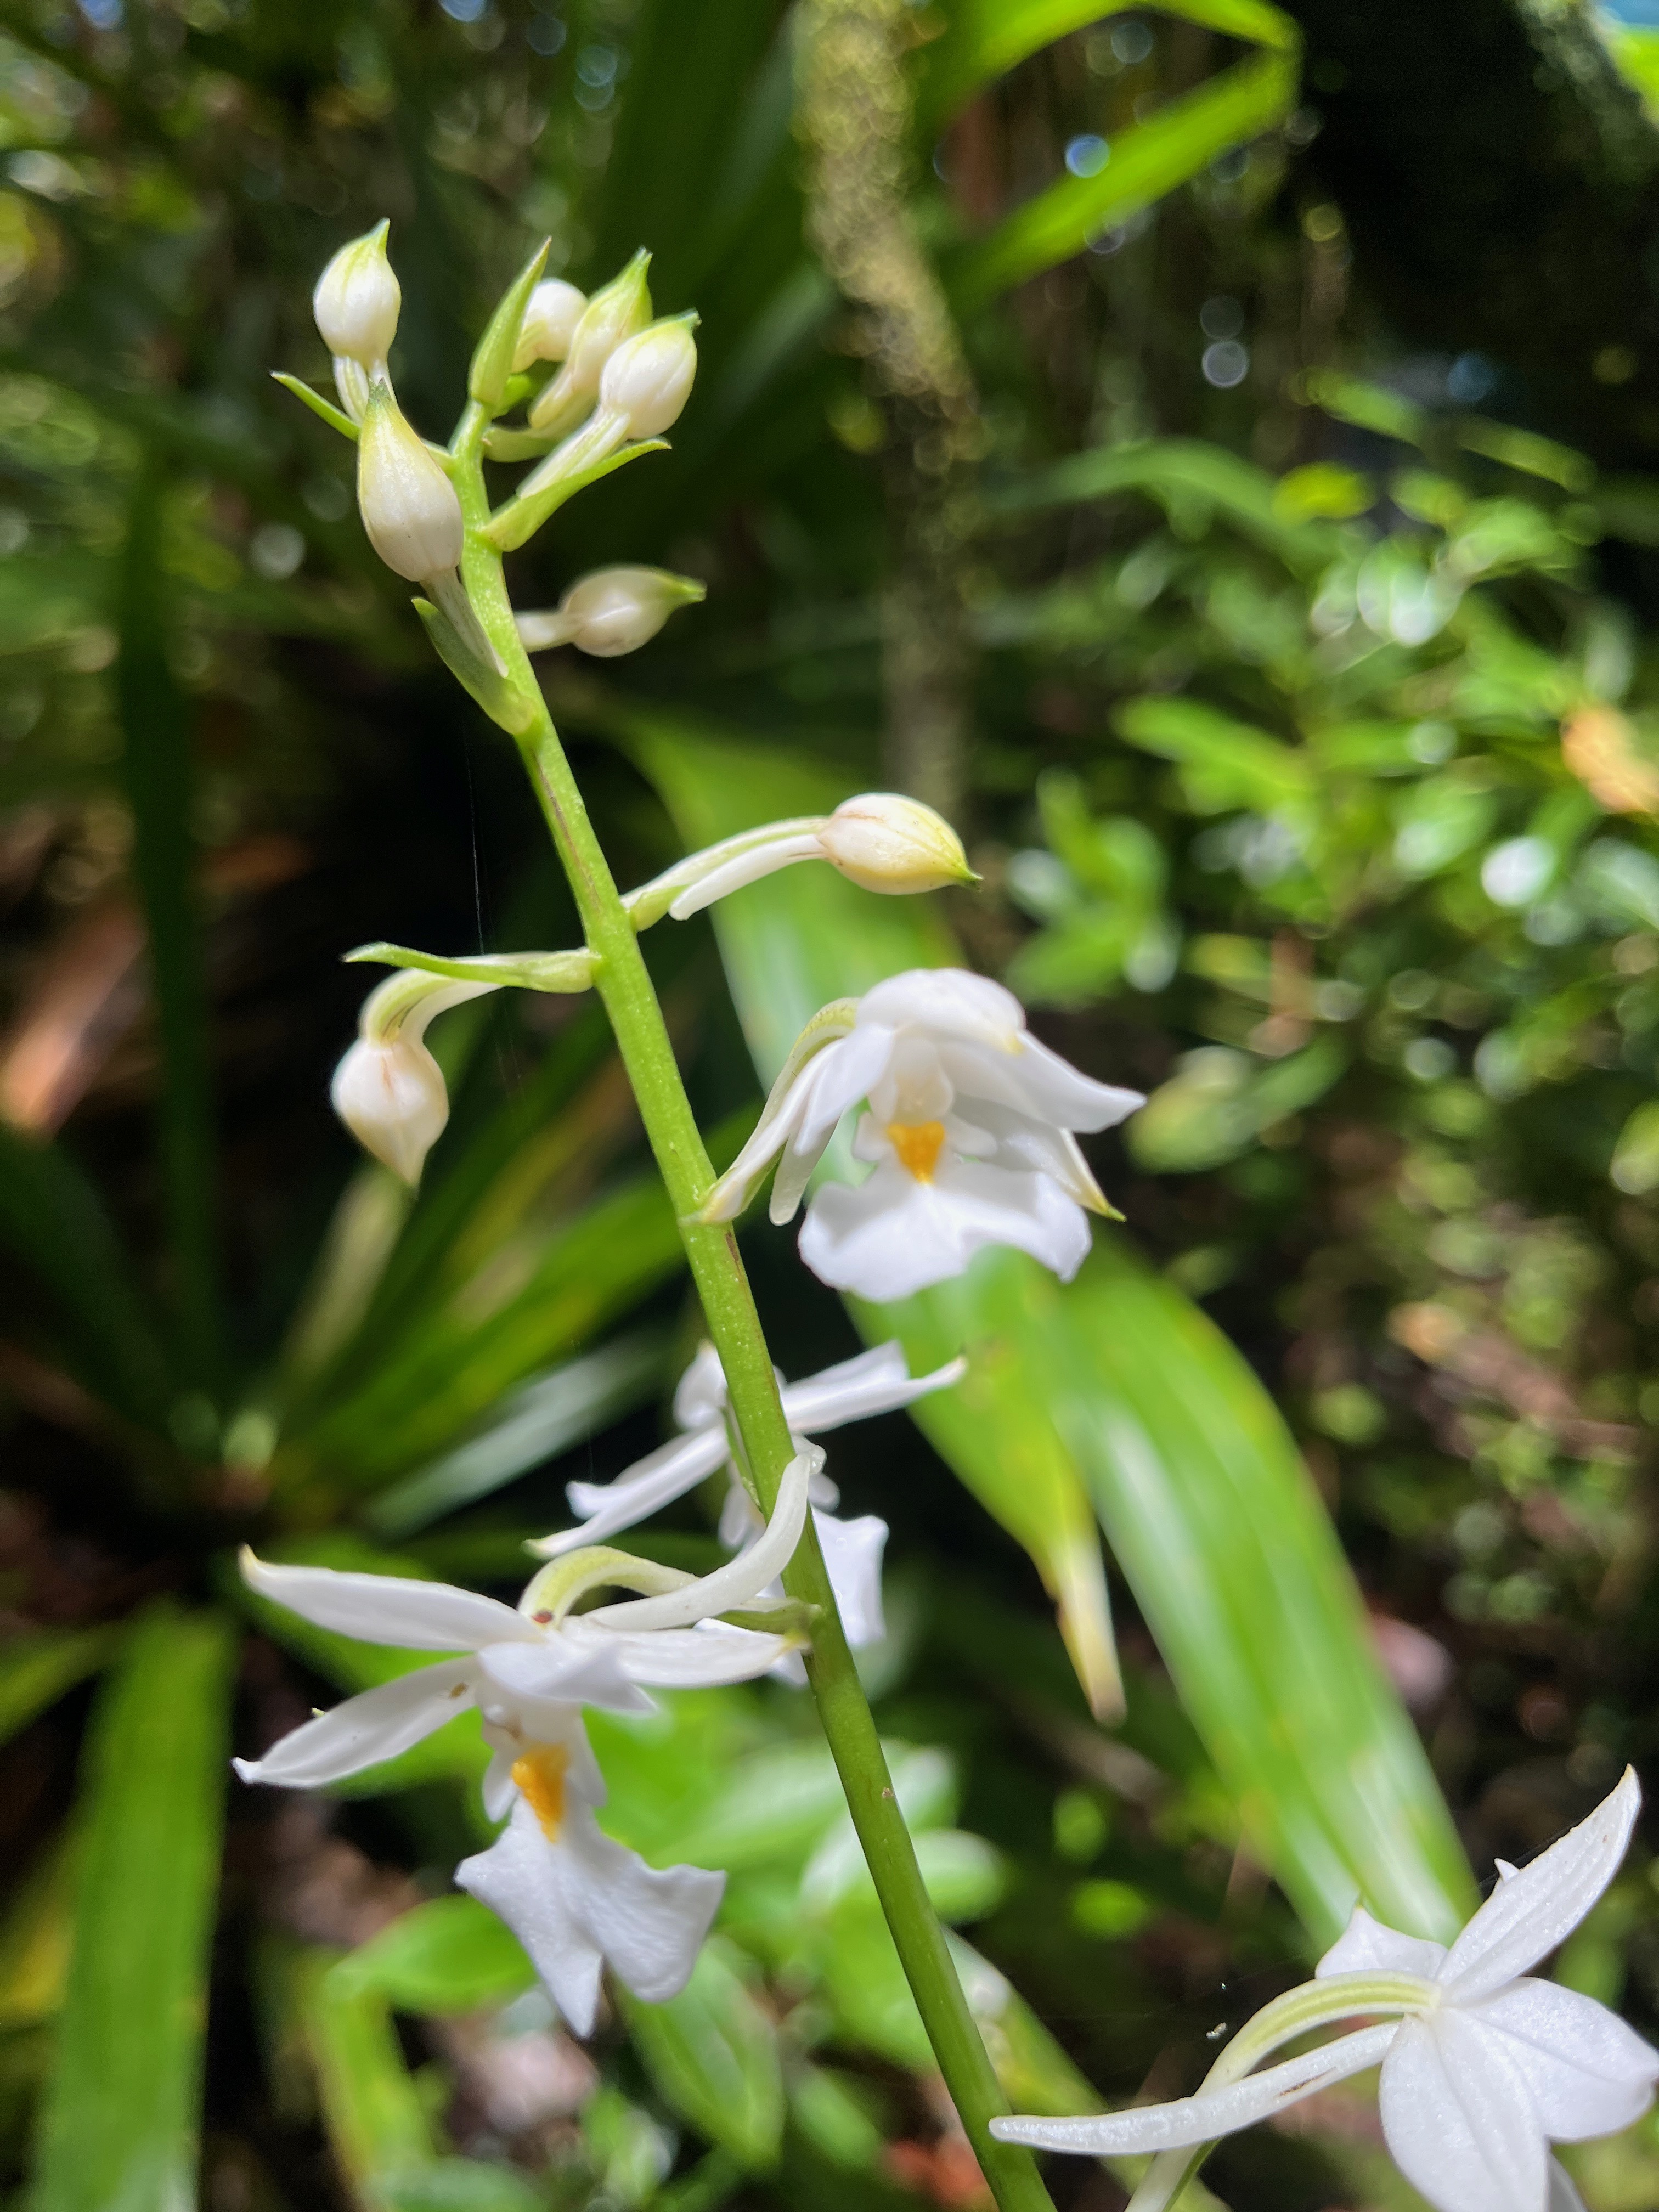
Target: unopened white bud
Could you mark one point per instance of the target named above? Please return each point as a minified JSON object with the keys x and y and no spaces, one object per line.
{"x":388,"y":1090}
{"x":391,"y":1097}
{"x":356,"y":301}
{"x":885,"y":842}
{"x":612,"y":610}
{"x":615,"y":313}
{"x":647,"y":381}
{"x":410,"y":508}
{"x":549,"y":323}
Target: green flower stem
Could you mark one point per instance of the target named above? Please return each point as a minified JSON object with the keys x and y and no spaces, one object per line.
{"x":729,"y":1305}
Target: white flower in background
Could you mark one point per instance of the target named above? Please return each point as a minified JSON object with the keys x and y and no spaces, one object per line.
{"x":356,"y":304}
{"x":388,"y":1090}
{"x":876,"y":1381}
{"x":878,"y":840}
{"x":574,"y":1899}
{"x":551,"y":318}
{"x":1487,"y":2068}
{"x":611,"y":612}
{"x":968,"y":1131}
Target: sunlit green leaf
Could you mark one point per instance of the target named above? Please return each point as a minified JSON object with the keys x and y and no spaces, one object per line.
{"x":449,"y":1956}
{"x":1146,"y":161}
{"x":712,"y":2053}
{"x":35,"y":1670}
{"x":122,"y":2114}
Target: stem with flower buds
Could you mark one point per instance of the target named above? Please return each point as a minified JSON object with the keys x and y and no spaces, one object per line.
{"x":631,"y":1001}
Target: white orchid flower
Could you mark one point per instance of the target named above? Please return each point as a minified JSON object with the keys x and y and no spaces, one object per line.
{"x":876,"y":1381}
{"x":1484,"y":2069}
{"x":574,"y":1899}
{"x":970,"y":1132}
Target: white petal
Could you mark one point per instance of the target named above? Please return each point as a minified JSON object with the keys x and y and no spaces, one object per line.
{"x":878,"y":1382}
{"x":841,"y":1074}
{"x":651,"y":1483}
{"x":1366,"y":1946}
{"x":740,"y":1579}
{"x":796,"y":1164}
{"x":650,"y":1921}
{"x":1459,"y":2119}
{"x":1211,"y":2114}
{"x":581,"y":1899}
{"x":700,"y":1393}
{"x":1528,"y":1914}
{"x":745,"y":868}
{"x":948,"y":1002}
{"x":1588,"y":2073}
{"x":1038,"y":1082}
{"x":560,"y":1669}
{"x":851,"y":1553}
{"x":699,"y":1658}
{"x":893,"y":1235}
{"x":386,"y":1608}
{"x":777,"y":1126}
{"x":375,"y":1726}
{"x":498,"y":1788}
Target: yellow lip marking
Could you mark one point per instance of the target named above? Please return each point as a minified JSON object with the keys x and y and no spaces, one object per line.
{"x":918,"y":1144}
{"x":540,"y":1775}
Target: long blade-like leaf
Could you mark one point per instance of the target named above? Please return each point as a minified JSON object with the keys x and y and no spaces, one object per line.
{"x":52,"y":1224}
{"x":982,"y":39}
{"x":1212,"y":1516}
{"x":1147,"y":161}
{"x":123,"y":2107}
{"x":155,"y":759}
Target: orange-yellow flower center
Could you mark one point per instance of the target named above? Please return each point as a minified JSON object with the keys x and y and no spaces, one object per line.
{"x":540,"y":1775}
{"x":918,"y":1144}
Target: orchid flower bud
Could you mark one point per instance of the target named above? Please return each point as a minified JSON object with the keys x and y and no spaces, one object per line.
{"x":356,"y":301}
{"x":615,"y":311}
{"x":647,"y":380}
{"x":408,"y":506}
{"x":388,"y":1090}
{"x":612,"y":612}
{"x":549,"y":322}
{"x":885,"y":842}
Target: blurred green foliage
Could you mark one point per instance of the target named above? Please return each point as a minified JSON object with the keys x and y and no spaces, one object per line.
{"x":1313,"y":770}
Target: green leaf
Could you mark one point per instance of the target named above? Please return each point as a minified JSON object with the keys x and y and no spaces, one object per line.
{"x":1224,"y":764}
{"x":983,"y":39}
{"x":123,"y":2108}
{"x":450,"y":1955}
{"x":1120,"y":1380}
{"x":156,"y":767}
{"x":53,"y":1221}
{"x":376,"y":2123}
{"x":1190,"y":481}
{"x":1146,"y":162}
{"x":36,"y":1670}
{"x":1234,"y":1563}
{"x":535,"y":1424}
{"x":712,"y":2054}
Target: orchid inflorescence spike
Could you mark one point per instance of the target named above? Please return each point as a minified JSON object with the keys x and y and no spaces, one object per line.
{"x":575,"y":1900}
{"x":970,"y":1129}
{"x":1483,"y":2066}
